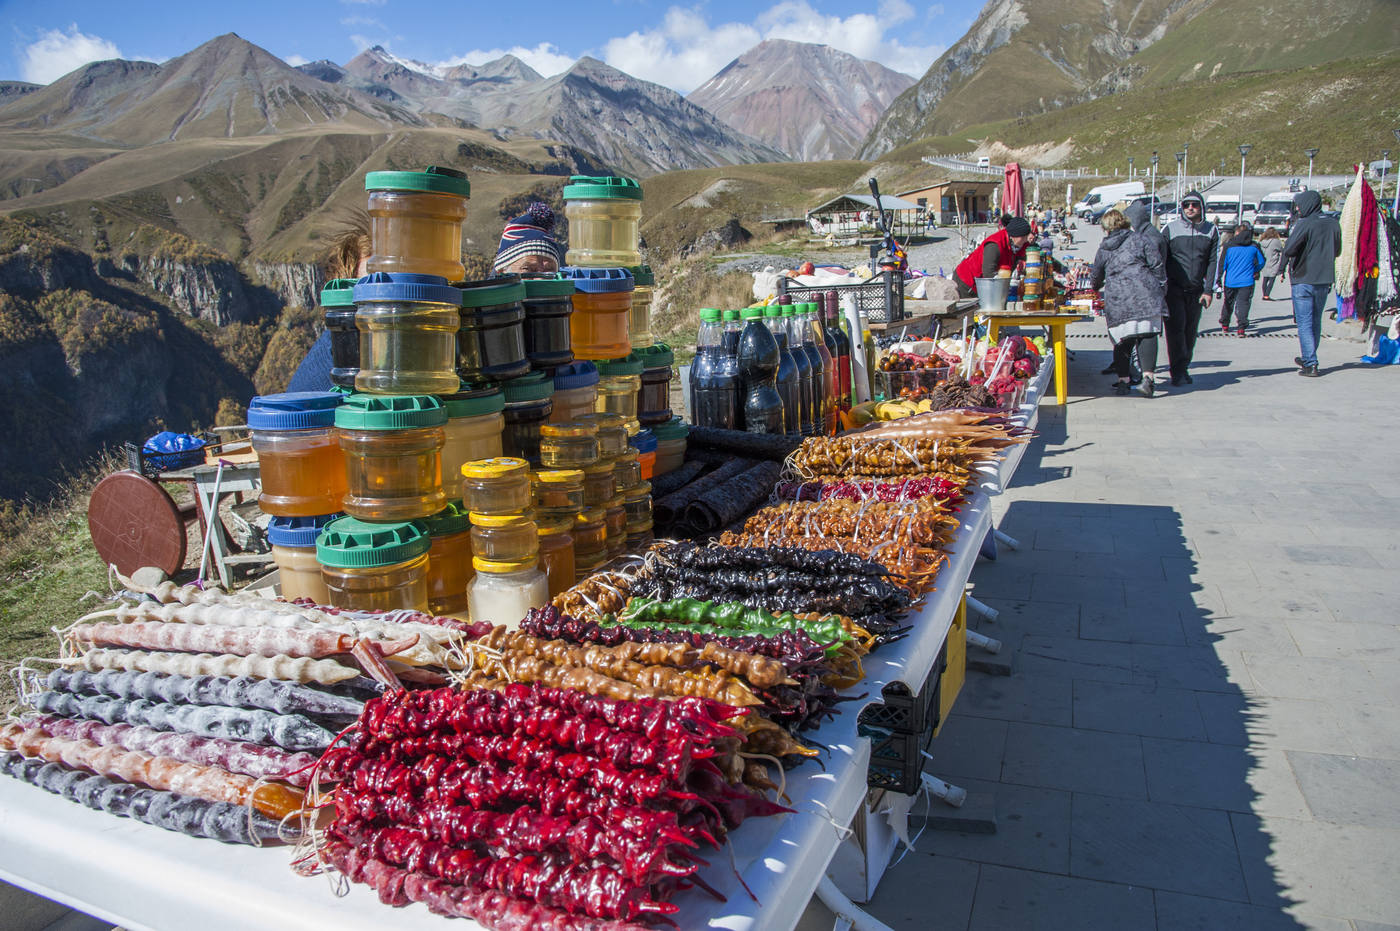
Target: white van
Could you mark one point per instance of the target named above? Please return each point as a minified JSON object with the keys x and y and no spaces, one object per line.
{"x":1223,"y":213}
{"x":1274,"y":211}
{"x":1106,"y":195}
{"x":984,"y":161}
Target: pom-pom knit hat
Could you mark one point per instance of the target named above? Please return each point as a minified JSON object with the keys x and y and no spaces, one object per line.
{"x":529,"y":234}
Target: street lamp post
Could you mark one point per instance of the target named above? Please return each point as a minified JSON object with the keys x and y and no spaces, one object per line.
{"x":1153,"y":201}
{"x":1130,"y":167}
{"x":1185,"y":160}
{"x":1244,"y":153}
{"x":1312,"y":154}
{"x":1180,"y":176}
{"x":1385,"y":163}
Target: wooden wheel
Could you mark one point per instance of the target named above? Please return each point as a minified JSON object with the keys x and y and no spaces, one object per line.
{"x":135,"y":523}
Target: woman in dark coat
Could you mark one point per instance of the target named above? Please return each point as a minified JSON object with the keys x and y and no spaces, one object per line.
{"x":1129,"y":270}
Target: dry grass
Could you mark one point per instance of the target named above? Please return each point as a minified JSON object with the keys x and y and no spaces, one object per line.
{"x":685,"y":289}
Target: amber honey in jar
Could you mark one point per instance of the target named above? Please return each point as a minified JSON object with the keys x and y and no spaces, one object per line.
{"x":599,"y":325}
{"x":558,"y":492}
{"x":627,"y":470}
{"x":615,"y":520}
{"x":612,"y":433}
{"x":415,"y":221}
{"x":303,"y":471}
{"x":556,"y":548}
{"x":449,"y":560}
{"x":590,"y":533}
{"x":599,"y":483}
{"x":392,"y":455}
{"x":375,"y":567}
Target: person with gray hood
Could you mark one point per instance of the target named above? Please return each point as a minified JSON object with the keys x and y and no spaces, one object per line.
{"x":1314,"y":242}
{"x":1193,"y":249}
{"x":1132,"y":275}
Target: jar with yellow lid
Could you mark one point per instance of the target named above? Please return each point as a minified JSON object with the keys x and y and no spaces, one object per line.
{"x":558,"y":492}
{"x":392,"y":448}
{"x":612,"y":433}
{"x":585,"y":564}
{"x":503,"y":592}
{"x":637,"y":502}
{"x":504,"y":537}
{"x":568,"y":445}
{"x":496,"y":486}
{"x":627,"y":470}
{"x":556,"y":546}
{"x":449,"y":560}
{"x":640,"y":536}
{"x":590,"y":533}
{"x":615,"y":520}
{"x":375,"y":567}
{"x":599,"y":483}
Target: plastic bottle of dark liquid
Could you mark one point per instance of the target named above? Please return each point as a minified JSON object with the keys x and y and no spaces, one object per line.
{"x":712,"y":389}
{"x":842,"y":352}
{"x":813,"y":323}
{"x":729,"y":348}
{"x":759,"y":361}
{"x":789,"y":386}
{"x":804,"y":368}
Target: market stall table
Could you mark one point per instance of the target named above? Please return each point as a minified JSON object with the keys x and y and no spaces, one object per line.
{"x":1056,"y":324}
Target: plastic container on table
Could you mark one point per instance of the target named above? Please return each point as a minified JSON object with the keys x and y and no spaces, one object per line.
{"x":474,"y":426}
{"x":575,"y":391}
{"x":548,"y":306}
{"x":392,"y":448}
{"x":529,"y":404}
{"x":612,"y":433}
{"x":408,"y":334}
{"x":599,"y":483}
{"x":598,"y":328}
{"x":449,"y":560}
{"x":645,"y":445}
{"x":605,"y":214}
{"x":338,"y":309}
{"x":496,"y":486}
{"x":568,"y":445}
{"x":303,"y":471}
{"x":293,"y":542}
{"x":585,"y":564}
{"x":670,"y":445}
{"x":504,"y":537}
{"x":615,"y":520}
{"x":620,"y":380}
{"x":504,"y":592}
{"x":375,"y":567}
{"x":556,"y":546}
{"x":627,"y":469}
{"x":654,"y":395}
{"x":558,"y":492}
{"x":640,"y":536}
{"x":590,"y":533}
{"x":637,"y":502}
{"x":415,"y":221}
{"x":491,"y":340}
{"x":639,"y":330}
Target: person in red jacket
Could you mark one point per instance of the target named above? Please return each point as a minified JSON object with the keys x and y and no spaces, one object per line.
{"x":1003,"y":249}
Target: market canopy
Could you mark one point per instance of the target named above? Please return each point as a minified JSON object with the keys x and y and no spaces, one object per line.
{"x":864,"y":202}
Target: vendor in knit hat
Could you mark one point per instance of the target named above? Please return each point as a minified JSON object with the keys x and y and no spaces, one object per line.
{"x":528,"y":246}
{"x":1001,"y":250}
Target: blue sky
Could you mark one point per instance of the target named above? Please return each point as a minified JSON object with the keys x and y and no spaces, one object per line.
{"x":677,"y":45}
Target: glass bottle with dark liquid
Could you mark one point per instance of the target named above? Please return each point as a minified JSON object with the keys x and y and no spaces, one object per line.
{"x":841,"y":350}
{"x":789,"y":386}
{"x":759,"y":362}
{"x":712,"y":389}
{"x":729,"y":347}
{"x":792,"y":325}
{"x":815,"y":331}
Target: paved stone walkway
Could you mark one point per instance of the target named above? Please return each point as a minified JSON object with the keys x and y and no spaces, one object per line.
{"x":1203,"y":725}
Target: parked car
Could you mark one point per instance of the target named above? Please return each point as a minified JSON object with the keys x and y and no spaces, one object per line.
{"x":1274,"y":212}
{"x":1223,"y":212}
{"x":1105,"y":196}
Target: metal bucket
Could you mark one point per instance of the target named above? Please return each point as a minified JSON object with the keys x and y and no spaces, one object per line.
{"x":992,"y":293}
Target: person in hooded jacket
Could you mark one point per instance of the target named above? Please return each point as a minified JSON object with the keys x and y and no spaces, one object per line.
{"x":1140,"y":219}
{"x":1241,"y":261}
{"x":1272,"y":245}
{"x":1314,"y":242}
{"x":1130,"y":272}
{"x":1193,"y":247}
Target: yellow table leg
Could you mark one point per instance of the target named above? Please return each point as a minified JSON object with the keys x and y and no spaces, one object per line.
{"x":1057,"y":335}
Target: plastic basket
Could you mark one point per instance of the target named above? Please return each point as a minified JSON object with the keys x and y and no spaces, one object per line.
{"x":881,"y":298}
{"x":896,"y":760}
{"x":903,"y":713}
{"x":153,"y":464}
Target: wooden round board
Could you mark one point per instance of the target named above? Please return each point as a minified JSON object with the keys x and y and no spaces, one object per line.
{"x":135,"y":523}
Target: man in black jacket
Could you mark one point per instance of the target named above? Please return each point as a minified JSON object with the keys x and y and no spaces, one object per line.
{"x":1314,"y":242}
{"x":1193,"y":248}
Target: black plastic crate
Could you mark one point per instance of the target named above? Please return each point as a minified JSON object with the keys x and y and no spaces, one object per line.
{"x":153,"y":464}
{"x":881,"y":298}
{"x":896,"y":760}
{"x":903,"y":713}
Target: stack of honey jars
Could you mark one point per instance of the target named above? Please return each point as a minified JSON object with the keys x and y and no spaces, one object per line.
{"x":505,"y":541}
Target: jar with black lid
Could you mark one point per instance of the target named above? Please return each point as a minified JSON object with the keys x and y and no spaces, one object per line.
{"x":548,"y":304}
{"x":491,"y":340}
{"x":338,"y":303}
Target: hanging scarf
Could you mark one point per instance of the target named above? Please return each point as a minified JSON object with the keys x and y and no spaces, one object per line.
{"x":1386,"y":291}
{"x":1346,"y":267}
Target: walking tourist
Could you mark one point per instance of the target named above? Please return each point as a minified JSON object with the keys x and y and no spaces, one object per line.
{"x":1314,"y":242}
{"x":1130,"y":272}
{"x":1272,"y":244}
{"x":1193,"y":245}
{"x":1241,"y":260}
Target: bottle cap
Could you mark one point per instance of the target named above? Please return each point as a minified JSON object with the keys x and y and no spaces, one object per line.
{"x":775,"y":310}
{"x":491,"y":292}
{"x":348,"y":543}
{"x":533,"y":387}
{"x":643,"y":275}
{"x":731,"y":315}
{"x":499,"y":467}
{"x":709,"y":314}
{"x":572,"y":428}
{"x":599,"y":280}
{"x":338,"y":292}
{"x":474,"y":401}
{"x":298,"y":531}
{"x":451,"y":519}
{"x":499,"y":520}
{"x":400,"y":286}
{"x":390,"y":412}
{"x":656,"y":356}
{"x":555,"y":285}
{"x":432,"y":180}
{"x":631,"y":364}
{"x":644,"y":441}
{"x":586,"y":187}
{"x":564,"y":476}
{"x":296,"y":410}
{"x":752,"y":313}
{"x":575,"y":375}
{"x":497,"y":567}
{"x":673,"y":429}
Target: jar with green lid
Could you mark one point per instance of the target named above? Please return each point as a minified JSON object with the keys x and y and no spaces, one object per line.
{"x":639,"y":331}
{"x":640,"y":536}
{"x":504,"y":537}
{"x":602,"y":313}
{"x":415,"y":221}
{"x":529,"y":403}
{"x":392,"y":447}
{"x":293,"y":542}
{"x":449,"y":560}
{"x":575,"y":391}
{"x":618,"y":384}
{"x":408,"y":334}
{"x":503,"y":592}
{"x":605,"y":214}
{"x":615,"y":521}
{"x":590,"y":533}
{"x":599,"y":483}
{"x":496,"y":486}
{"x":612,"y":433}
{"x":654,"y":396}
{"x":557,"y":552}
{"x":558,"y":492}
{"x":670,"y":445}
{"x":548,"y":306}
{"x":637,"y":502}
{"x":627,"y":469}
{"x":474,"y":426}
{"x":375,"y":567}
{"x":338,"y":307}
{"x":568,"y":445}
{"x":491,"y":340}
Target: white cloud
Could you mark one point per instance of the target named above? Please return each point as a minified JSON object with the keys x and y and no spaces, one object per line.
{"x":57,"y":52}
{"x":295,"y":60}
{"x":685,"y":50}
{"x":361,"y":43}
{"x":934,"y":12}
{"x":544,"y":58}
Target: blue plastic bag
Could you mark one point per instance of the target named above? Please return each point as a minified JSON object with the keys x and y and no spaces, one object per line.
{"x":169,"y":442}
{"x":1387,"y":352}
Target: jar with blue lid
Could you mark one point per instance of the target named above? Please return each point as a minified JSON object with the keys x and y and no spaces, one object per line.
{"x":293,"y":542}
{"x":575,"y":391}
{"x":408,"y":334}
{"x":303,"y":472}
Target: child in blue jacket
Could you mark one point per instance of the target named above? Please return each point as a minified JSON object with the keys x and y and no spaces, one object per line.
{"x":1241,"y":261}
